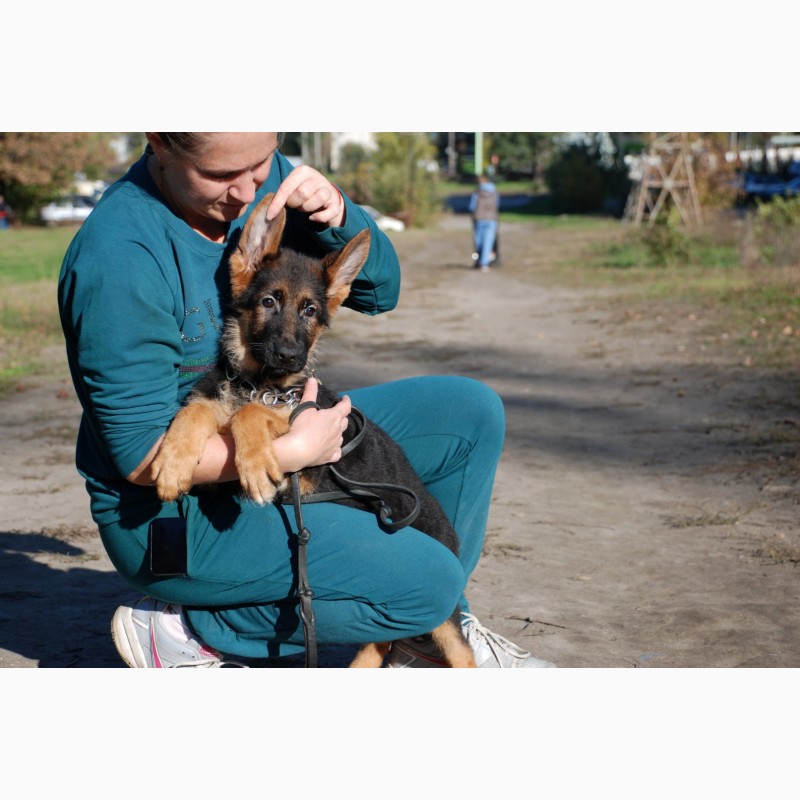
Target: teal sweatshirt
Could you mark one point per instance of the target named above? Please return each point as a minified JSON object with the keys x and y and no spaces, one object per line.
{"x":141,"y":297}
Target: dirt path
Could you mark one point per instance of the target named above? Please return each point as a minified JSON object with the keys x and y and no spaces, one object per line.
{"x":646,"y":507}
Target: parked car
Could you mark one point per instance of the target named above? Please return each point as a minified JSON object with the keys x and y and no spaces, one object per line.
{"x":70,"y":209}
{"x":764,"y":187}
{"x":383,"y":222}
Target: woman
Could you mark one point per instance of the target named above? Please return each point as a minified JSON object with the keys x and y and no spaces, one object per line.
{"x":141,"y":294}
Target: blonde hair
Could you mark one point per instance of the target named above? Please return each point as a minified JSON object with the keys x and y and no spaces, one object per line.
{"x":189,"y":144}
{"x":183,"y":144}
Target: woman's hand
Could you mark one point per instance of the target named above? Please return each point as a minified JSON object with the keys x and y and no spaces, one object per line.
{"x":308,"y":190}
{"x":316,"y":435}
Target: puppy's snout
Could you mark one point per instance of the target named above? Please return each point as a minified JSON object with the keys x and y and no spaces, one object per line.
{"x":290,"y":354}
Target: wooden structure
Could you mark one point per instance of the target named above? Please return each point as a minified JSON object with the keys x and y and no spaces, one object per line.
{"x":667,"y":174}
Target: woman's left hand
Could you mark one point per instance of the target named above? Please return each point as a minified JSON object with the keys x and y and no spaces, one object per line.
{"x":308,"y":190}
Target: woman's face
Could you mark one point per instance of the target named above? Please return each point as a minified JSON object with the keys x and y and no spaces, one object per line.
{"x":216,"y":183}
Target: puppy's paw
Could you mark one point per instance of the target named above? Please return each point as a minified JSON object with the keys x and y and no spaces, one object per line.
{"x":260,"y":474}
{"x":256,"y":484}
{"x":172,"y":475}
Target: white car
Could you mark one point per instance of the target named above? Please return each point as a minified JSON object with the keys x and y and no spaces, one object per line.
{"x":73,"y":208}
{"x":383,"y":222}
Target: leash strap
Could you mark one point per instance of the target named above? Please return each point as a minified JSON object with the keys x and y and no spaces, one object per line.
{"x":352,"y":490}
{"x":359,"y":490}
{"x":304,"y":593}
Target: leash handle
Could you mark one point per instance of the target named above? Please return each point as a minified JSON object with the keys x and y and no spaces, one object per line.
{"x":300,"y":407}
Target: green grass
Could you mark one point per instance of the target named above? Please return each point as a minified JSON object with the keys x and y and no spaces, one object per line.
{"x":30,"y":259}
{"x":32,"y":254}
{"x":631,"y":254}
{"x":759,"y":308}
{"x":544,"y":217}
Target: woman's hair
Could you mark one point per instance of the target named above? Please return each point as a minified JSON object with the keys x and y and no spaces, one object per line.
{"x":183,"y":144}
{"x":188,"y":144}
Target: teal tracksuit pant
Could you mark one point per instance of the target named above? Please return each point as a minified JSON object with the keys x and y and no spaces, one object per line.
{"x":239,"y":594}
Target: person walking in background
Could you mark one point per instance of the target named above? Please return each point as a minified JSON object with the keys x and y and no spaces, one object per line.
{"x":483,"y":206}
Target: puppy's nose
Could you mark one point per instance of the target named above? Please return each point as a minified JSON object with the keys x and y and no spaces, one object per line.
{"x":290,"y":354}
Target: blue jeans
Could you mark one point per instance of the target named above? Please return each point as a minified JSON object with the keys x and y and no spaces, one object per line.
{"x":485,"y":231}
{"x":368,"y":585}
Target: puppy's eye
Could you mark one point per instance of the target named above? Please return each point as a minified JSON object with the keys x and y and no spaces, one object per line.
{"x":309,"y":311}
{"x":268,"y":301}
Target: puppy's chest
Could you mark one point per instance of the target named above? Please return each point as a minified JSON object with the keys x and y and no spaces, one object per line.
{"x":229,"y":396}
{"x":277,"y":398}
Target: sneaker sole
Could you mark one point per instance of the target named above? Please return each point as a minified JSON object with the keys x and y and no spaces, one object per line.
{"x":123,"y":634}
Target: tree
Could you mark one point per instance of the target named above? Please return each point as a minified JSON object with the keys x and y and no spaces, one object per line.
{"x":520,"y":154}
{"x":353,"y":172}
{"x":715,"y":176}
{"x":36,"y":167}
{"x":404,"y":176}
{"x":588,"y":175}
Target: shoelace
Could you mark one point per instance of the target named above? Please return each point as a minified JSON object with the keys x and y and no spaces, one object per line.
{"x":210,"y":664}
{"x":492,"y":639}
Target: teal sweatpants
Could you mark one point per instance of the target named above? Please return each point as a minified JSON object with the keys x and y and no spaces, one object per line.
{"x":239,"y":595}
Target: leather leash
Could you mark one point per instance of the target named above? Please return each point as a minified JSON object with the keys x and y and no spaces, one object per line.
{"x":351,"y":490}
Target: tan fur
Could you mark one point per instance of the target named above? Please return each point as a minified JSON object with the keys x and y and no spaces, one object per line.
{"x":253,"y":428}
{"x":457,"y":653}
{"x":256,"y":243}
{"x":371,"y":655}
{"x":182,"y":448}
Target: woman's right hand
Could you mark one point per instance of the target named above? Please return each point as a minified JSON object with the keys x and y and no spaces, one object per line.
{"x":316,"y":435}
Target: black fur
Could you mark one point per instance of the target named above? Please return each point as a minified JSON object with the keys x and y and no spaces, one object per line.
{"x":379,"y":459}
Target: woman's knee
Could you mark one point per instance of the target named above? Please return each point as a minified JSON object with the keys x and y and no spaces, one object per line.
{"x":460,"y":405}
{"x":481,"y":404}
{"x":432,"y":598}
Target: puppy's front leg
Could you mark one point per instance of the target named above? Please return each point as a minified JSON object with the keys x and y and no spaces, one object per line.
{"x":182,"y":448}
{"x":254,"y":427}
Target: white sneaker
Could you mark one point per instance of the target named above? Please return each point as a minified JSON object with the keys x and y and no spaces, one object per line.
{"x":144,"y":640}
{"x":491,"y":650}
{"x":495,"y":651}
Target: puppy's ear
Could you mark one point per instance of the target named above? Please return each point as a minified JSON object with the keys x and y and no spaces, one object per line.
{"x":341,"y":269}
{"x":260,"y":239}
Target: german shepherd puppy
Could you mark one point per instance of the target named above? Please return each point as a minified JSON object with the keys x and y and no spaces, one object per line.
{"x":282,"y":301}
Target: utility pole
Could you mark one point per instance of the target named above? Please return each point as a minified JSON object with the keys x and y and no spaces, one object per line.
{"x":478,"y":154}
{"x":452,"y":155}
{"x":317,"y":150}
